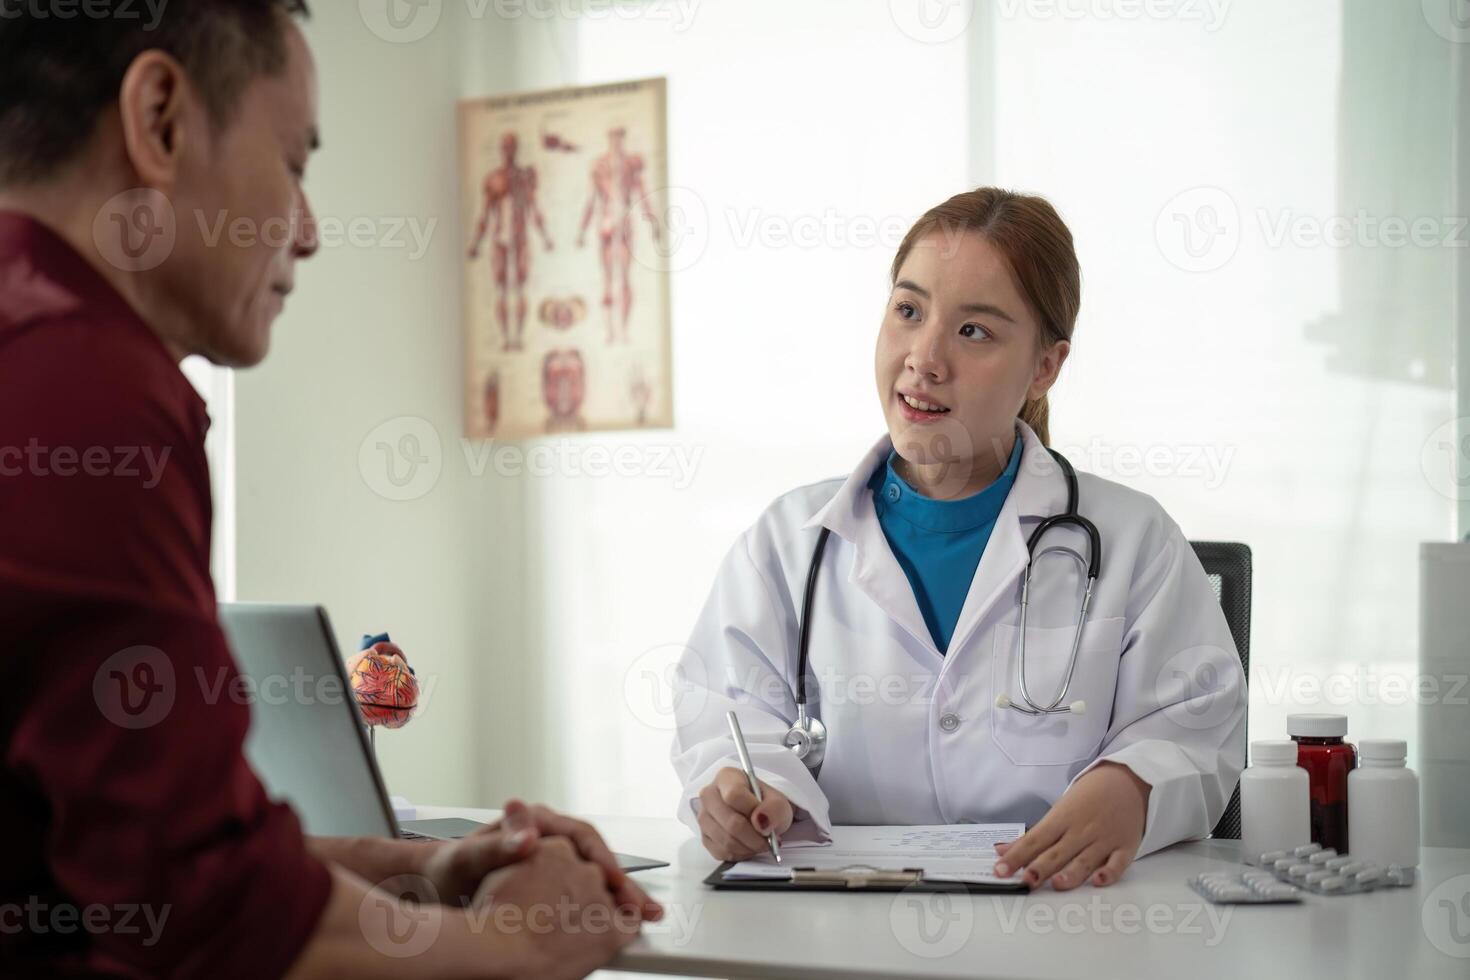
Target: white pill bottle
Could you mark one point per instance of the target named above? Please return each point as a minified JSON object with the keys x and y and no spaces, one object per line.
{"x":1383,"y":805}
{"x":1273,"y":800}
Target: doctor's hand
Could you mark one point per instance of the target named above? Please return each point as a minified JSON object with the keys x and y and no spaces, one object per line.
{"x":732,"y":824}
{"x":1094,"y":830}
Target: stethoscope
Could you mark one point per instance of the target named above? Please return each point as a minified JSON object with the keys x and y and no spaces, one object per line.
{"x":807,"y":738}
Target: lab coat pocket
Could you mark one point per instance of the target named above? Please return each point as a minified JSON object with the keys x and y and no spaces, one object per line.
{"x":1067,"y":737}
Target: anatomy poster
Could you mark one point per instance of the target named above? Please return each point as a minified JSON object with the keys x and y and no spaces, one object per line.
{"x":566,"y":288}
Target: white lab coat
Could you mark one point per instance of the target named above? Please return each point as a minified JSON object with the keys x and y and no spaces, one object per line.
{"x":915,"y":737}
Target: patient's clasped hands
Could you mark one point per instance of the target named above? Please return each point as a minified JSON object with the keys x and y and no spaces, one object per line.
{"x":549,"y":883}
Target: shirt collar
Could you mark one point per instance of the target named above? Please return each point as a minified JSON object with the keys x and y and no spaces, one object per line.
{"x":1039,"y":489}
{"x":893,"y":496}
{"x":66,"y":281}
{"x":42,"y":275}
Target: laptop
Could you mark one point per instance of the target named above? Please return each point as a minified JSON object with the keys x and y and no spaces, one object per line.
{"x":307,"y":742}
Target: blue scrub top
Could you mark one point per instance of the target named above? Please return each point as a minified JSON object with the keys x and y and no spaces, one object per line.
{"x":938,"y":543}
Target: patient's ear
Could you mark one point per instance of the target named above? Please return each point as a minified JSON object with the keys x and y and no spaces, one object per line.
{"x":160,"y":117}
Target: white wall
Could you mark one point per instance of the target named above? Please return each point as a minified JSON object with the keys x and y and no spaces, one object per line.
{"x":372,"y":334}
{"x":1322,"y":370}
{"x":529,"y":601}
{"x":1316,"y":374}
{"x":1461,"y":435}
{"x":217,"y":387}
{"x":804,"y":139}
{"x":540,"y":608}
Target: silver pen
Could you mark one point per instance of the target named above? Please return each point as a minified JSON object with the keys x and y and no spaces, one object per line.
{"x":755,"y":786}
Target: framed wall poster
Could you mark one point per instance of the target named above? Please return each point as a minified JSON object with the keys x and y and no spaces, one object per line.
{"x":566,"y":286}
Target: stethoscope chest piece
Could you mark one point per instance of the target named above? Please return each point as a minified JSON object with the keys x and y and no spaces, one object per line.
{"x":807,"y":739}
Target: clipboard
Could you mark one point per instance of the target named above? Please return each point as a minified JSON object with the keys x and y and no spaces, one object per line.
{"x":860,"y":878}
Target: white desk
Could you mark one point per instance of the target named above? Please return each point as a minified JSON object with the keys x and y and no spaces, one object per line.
{"x":1148,"y":925}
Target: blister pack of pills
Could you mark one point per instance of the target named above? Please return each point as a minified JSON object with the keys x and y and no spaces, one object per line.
{"x":1323,"y":871}
{"x":1252,"y":887}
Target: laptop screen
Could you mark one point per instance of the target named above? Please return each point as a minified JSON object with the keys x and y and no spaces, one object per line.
{"x":306,"y":740}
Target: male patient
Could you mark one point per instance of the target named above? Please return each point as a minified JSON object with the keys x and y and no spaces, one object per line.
{"x":137,"y":840}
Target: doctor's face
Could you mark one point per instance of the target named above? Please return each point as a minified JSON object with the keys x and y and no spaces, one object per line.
{"x":958,"y":354}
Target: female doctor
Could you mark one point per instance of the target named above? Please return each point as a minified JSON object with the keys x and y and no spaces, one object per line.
{"x":916,"y":624}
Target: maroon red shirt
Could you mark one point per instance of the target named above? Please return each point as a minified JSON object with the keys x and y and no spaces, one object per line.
{"x":136,"y":839}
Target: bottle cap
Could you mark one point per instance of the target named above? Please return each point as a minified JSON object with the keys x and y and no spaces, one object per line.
{"x":1384,"y":749}
{"x":1273,"y":752}
{"x":1316,"y":726}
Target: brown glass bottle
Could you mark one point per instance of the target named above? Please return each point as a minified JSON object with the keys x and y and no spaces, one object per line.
{"x":1327,"y":758}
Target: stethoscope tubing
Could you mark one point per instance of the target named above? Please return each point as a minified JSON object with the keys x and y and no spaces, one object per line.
{"x":801,"y":735}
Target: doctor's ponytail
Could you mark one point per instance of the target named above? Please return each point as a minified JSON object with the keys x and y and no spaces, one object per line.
{"x":1038,"y":246}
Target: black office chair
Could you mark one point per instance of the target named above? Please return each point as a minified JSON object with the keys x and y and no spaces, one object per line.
{"x":1228,"y":564}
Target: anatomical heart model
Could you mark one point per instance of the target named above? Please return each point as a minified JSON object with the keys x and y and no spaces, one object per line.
{"x":383,"y":684}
